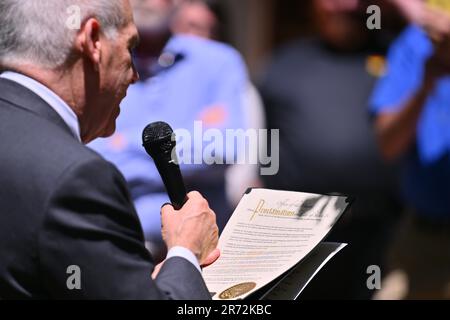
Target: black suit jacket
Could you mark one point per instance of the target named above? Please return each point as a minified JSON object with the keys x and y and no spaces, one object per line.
{"x":62,"y":205}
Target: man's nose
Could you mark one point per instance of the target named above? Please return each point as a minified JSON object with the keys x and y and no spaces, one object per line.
{"x":135,"y":77}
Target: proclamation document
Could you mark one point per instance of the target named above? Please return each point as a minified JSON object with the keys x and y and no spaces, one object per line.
{"x":269,"y":233}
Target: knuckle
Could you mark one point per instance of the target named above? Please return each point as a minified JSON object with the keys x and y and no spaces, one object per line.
{"x":194,"y":195}
{"x":212,"y":214}
{"x":202,"y":207}
{"x":204,"y":204}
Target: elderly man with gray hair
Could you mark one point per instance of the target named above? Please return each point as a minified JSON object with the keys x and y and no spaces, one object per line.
{"x":68,"y":228}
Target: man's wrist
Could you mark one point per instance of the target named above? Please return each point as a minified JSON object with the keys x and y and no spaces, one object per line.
{"x":185,"y":253}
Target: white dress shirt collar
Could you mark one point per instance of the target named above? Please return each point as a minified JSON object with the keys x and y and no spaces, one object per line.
{"x":58,"y":104}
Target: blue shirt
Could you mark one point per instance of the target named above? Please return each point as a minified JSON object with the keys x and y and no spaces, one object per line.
{"x":206,"y":85}
{"x":426,"y":170}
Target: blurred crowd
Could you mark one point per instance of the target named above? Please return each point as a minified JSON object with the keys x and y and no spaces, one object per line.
{"x":361,"y":112}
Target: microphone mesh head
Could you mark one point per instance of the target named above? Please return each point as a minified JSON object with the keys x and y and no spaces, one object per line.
{"x":156,"y":131}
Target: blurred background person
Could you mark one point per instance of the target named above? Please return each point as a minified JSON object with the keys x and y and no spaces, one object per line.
{"x":153,"y":19}
{"x":197,"y":17}
{"x":194,"y":79}
{"x":316,"y":92}
{"x":411,"y":107}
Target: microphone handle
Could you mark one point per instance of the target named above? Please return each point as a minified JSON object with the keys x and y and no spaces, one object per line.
{"x":173,"y":181}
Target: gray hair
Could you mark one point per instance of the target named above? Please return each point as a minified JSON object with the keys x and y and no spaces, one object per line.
{"x":37,"y":31}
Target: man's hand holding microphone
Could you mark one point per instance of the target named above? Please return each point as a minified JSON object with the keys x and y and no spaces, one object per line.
{"x":192,"y":227}
{"x":188,"y":221}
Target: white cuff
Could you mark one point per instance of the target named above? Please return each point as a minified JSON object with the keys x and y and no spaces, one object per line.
{"x":184,"y":253}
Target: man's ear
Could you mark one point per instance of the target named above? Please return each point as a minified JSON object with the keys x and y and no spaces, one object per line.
{"x":88,"y":42}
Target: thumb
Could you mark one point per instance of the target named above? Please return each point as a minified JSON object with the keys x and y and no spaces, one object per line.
{"x":156,"y":270}
{"x":211,"y":258}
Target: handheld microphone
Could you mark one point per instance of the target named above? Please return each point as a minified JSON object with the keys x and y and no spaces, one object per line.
{"x":159,"y":142}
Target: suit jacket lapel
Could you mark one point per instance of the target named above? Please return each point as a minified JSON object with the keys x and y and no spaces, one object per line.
{"x":24,"y":98}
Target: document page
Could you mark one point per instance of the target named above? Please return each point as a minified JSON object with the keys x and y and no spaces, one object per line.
{"x":269,"y":233}
{"x":290,"y":287}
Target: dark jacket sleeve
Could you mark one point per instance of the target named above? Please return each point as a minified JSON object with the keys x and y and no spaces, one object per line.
{"x":92,"y":225}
